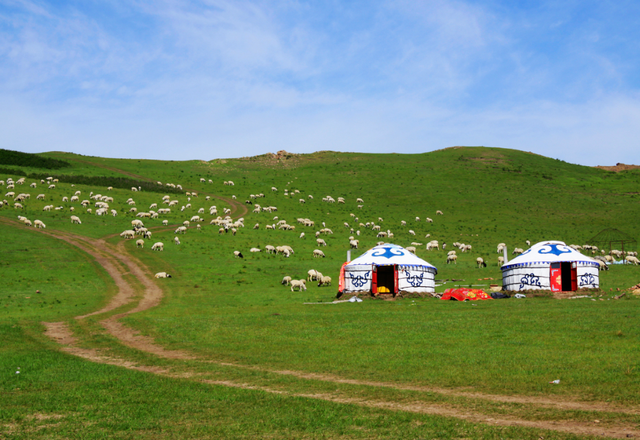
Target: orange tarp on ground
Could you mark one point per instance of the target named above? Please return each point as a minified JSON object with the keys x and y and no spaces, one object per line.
{"x":465,"y":294}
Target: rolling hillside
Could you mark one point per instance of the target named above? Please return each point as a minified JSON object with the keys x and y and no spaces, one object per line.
{"x":223,"y":349}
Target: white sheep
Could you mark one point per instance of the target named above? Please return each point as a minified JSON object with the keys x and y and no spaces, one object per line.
{"x":128,"y":234}
{"x":238,"y":254}
{"x":324,"y":281}
{"x":38,"y":224}
{"x":76,"y":220}
{"x":176,"y":240}
{"x":439,"y":212}
{"x":500,"y":261}
{"x":163,"y":275}
{"x":300,"y":284}
{"x":321,"y":242}
{"x":317,"y":253}
{"x":159,"y":246}
{"x":411,"y":232}
{"x":286,"y":281}
{"x":517,"y":251}
{"x":253,"y":249}
{"x":630,"y":259}
{"x":313,"y":274}
{"x":480,"y":262}
{"x":452,"y":259}
{"x":354,"y":244}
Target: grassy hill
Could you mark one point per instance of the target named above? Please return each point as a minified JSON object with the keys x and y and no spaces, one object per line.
{"x":236,"y":313}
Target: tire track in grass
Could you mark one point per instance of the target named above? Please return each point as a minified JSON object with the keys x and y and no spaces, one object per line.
{"x":117,"y":261}
{"x":567,"y":405}
{"x":117,"y":264}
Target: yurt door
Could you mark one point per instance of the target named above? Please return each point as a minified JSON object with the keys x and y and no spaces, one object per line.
{"x":555,"y":277}
{"x":569,"y":276}
{"x":386,"y":279}
{"x":563,"y":277}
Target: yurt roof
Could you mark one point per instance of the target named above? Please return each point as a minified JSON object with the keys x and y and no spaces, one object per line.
{"x":388,"y":254}
{"x":547,"y":252}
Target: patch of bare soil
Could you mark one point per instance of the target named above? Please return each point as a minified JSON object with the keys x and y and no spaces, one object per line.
{"x":60,"y":332}
{"x":618,"y":167}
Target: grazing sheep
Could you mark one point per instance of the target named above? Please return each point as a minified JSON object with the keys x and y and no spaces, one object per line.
{"x":159,"y":246}
{"x":439,"y":212}
{"x":40,"y":197}
{"x":501,"y":247}
{"x":128,"y":234}
{"x":165,"y":222}
{"x":411,"y":232}
{"x":255,"y":250}
{"x":317,"y":253}
{"x":452,"y":259}
{"x":324,"y":281}
{"x":163,"y":275}
{"x":238,"y":254}
{"x":38,"y":224}
{"x":300,"y":284}
{"x":501,"y":261}
{"x":630,"y":259}
{"x":313,"y":275}
{"x":176,"y":240}
{"x":429,"y":220}
{"x":411,"y":249}
{"x":302,"y":235}
{"x":140,"y":243}
{"x":354,"y":244}
{"x":433,"y":244}
{"x":480,"y":262}
{"x":286,"y":281}
{"x":75,"y":219}
{"x":517,"y":251}
{"x":321,"y":242}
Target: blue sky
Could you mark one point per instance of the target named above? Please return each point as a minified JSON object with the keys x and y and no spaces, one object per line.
{"x":215,"y":78}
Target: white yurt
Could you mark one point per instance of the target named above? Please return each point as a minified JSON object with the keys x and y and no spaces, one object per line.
{"x":387,"y":268}
{"x":550,"y":265}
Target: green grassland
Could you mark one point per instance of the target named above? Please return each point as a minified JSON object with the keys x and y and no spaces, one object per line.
{"x":236,"y":311}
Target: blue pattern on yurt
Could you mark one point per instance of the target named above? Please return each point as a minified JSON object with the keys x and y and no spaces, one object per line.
{"x":360,"y":280}
{"x":587,"y":280}
{"x":414,"y":280}
{"x":555,"y":250}
{"x":530,"y":280}
{"x":388,"y":252}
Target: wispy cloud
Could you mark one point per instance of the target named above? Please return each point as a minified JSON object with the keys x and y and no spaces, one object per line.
{"x":202,"y":78}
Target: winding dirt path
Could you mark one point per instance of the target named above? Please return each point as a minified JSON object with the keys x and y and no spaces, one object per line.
{"x":119,"y":264}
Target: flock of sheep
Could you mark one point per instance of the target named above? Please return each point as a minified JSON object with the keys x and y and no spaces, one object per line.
{"x":355,"y":227}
